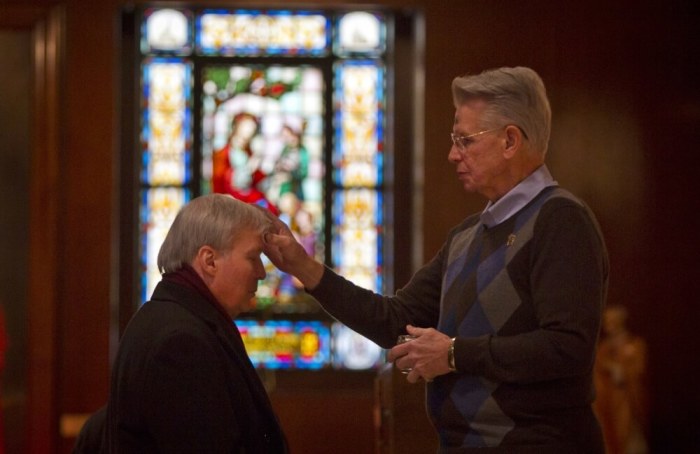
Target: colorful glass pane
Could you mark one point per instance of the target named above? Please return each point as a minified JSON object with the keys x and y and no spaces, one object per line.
{"x":262,"y":142}
{"x":158,"y":209}
{"x":359,"y":132}
{"x":360,"y":33}
{"x":283,"y":344}
{"x":167,"y":31}
{"x":262,"y":136}
{"x":166,"y":125}
{"x":356,"y":236}
{"x":354,"y":351}
{"x":252,"y":33}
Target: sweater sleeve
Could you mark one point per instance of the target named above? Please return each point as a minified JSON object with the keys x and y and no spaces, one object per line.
{"x":382,"y":318}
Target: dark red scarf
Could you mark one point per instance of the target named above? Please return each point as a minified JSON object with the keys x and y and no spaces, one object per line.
{"x":188,"y":277}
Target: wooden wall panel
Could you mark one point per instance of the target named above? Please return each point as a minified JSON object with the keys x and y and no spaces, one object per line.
{"x":45,"y":25}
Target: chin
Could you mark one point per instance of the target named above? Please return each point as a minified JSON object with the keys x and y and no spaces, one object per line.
{"x":468,"y":187}
{"x":247,"y":305}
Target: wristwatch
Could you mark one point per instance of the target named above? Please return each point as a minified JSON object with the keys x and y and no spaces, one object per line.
{"x":451,"y":356}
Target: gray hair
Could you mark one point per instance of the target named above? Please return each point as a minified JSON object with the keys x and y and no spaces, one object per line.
{"x":515,"y":96}
{"x":213,"y":220}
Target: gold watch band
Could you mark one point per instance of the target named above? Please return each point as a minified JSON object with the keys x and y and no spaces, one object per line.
{"x":451,"y":356}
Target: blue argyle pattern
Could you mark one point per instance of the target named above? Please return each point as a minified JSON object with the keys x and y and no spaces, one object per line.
{"x":477,"y":300}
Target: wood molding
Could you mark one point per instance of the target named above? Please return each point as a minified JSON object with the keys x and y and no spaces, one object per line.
{"x":47,"y":27}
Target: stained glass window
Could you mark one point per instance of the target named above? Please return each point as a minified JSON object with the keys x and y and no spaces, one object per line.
{"x":248,"y":33}
{"x":284,"y":109}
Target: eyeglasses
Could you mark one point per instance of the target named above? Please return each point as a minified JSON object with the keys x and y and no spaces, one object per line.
{"x":463,"y":142}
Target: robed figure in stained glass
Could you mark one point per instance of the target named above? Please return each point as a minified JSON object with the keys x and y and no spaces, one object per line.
{"x":236,"y":168}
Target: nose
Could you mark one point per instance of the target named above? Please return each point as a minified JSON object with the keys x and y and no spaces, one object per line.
{"x":454,"y":155}
{"x":260,"y":271}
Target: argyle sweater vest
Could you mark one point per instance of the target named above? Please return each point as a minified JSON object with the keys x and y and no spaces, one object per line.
{"x":484,"y":295}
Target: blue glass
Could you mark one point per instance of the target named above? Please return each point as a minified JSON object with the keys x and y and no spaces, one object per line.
{"x":283,"y":344}
{"x":184,"y":126}
{"x":339,"y":145}
{"x":175,"y":37}
{"x":149,"y":274}
{"x":320,"y":333}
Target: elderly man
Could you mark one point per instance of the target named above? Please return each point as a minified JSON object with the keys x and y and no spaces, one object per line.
{"x":182,"y":381}
{"x":506,"y":315}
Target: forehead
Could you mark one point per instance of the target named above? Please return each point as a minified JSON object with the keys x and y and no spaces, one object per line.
{"x":248,"y":239}
{"x":469,"y":113}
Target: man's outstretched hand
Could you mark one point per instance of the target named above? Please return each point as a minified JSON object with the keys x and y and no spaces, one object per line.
{"x":288,"y":255}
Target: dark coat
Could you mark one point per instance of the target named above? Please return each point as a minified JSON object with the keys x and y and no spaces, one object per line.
{"x":91,"y":437}
{"x":182,"y":382}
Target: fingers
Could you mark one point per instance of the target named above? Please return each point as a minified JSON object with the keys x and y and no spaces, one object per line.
{"x":425,"y":356}
{"x":397,"y":352}
{"x":406,"y":363}
{"x":279,"y":228}
{"x":266,"y":238}
{"x":274,"y":240}
{"x":414,"y":377}
{"x":271,"y":248}
{"x":415,"y":331}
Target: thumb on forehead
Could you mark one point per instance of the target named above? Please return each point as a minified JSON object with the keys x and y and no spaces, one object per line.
{"x":270,"y":238}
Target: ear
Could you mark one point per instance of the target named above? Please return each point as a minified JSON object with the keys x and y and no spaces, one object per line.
{"x":206,"y":260}
{"x":514,"y":139}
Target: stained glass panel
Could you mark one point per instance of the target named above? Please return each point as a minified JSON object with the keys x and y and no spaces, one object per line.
{"x":353,"y":351}
{"x":360,"y":33}
{"x":286,"y":344}
{"x":262,"y":142}
{"x":359,"y":118}
{"x":268,"y":130}
{"x":357,"y":236}
{"x":283,"y":344}
{"x":158,"y":209}
{"x":167,"y":129}
{"x":251,"y":33}
{"x":167,"y":31}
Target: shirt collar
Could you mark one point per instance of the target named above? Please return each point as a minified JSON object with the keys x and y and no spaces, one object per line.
{"x":518,"y":197}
